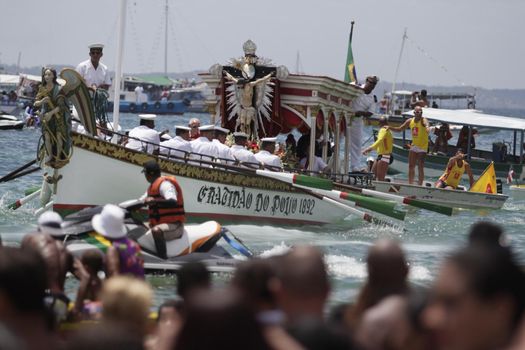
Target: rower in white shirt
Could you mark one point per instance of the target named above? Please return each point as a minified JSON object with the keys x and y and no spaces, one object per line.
{"x":266,"y":155}
{"x":94,"y":72}
{"x":202,"y":147}
{"x":179,"y":146}
{"x":240,"y":153}
{"x":144,"y":137}
{"x":224,"y":152}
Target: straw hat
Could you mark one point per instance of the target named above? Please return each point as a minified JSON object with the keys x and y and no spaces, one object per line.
{"x":51,"y":223}
{"x":110,"y":222}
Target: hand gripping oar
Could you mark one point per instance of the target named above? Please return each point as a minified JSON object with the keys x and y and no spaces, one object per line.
{"x":14,"y":172}
{"x":441,"y":209}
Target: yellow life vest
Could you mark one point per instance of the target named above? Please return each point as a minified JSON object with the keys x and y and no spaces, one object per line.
{"x":384,"y":142}
{"x":453,"y":174}
{"x":419,"y":134}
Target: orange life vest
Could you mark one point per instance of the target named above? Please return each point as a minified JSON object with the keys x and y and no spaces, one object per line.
{"x":167,"y":212}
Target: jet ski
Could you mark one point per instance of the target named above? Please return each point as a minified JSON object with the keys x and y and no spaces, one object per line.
{"x":199,"y":242}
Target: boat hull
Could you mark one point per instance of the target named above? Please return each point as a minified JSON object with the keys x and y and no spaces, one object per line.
{"x":100,"y":172}
{"x":436,"y":164}
{"x":454,"y":198}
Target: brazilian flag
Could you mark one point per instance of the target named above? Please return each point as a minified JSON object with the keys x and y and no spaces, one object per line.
{"x":350,"y":75}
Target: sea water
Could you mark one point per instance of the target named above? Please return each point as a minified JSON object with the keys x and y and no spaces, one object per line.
{"x":426,"y":237}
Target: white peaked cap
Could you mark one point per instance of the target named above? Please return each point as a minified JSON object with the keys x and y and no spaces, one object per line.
{"x":147,"y":116}
{"x":224,"y":130}
{"x":206,"y":127}
{"x":269,"y":139}
{"x":96,"y":46}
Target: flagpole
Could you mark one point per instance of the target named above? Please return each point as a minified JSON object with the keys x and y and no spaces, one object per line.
{"x":351,"y":29}
{"x":397,"y":71}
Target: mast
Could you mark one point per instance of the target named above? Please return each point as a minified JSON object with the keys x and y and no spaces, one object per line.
{"x":166,"y":42}
{"x":397,"y":71}
{"x":118,"y":65}
{"x":18,"y":62}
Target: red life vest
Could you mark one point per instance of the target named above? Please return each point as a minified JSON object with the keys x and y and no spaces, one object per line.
{"x":167,"y":212}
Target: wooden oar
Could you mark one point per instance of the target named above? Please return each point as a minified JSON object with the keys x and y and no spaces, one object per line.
{"x":16,"y":171}
{"x":24,"y":200}
{"x":438,"y":208}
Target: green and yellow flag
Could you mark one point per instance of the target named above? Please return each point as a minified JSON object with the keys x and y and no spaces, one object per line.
{"x":350,"y":75}
{"x":486,"y":183}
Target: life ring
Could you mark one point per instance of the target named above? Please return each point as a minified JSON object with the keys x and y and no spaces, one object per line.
{"x":144,"y":106}
{"x":157,"y":105}
{"x":132,"y":107}
{"x":170,"y":105}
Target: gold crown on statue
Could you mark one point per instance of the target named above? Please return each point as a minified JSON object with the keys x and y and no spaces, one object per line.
{"x":249,"y":47}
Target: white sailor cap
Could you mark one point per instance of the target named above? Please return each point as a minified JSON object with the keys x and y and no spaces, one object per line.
{"x":147,"y":116}
{"x":165,"y":137}
{"x":96,"y":46}
{"x":182,"y":127}
{"x":51,"y":223}
{"x":240,"y":134}
{"x":206,"y":127}
{"x":269,"y":139}
{"x":224,"y":130}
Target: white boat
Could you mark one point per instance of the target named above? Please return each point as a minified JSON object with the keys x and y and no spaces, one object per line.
{"x":9,"y":122}
{"x":454,"y":198}
{"x":504,"y":155}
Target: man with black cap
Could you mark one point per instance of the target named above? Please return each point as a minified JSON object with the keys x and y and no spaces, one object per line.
{"x":363,"y":106}
{"x":94,"y":72}
{"x":166,"y":207}
{"x":240,"y":153}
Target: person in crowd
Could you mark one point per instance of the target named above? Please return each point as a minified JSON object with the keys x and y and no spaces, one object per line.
{"x":192,"y":277}
{"x":165,"y":203}
{"x":443,"y":134}
{"x":194,"y":125}
{"x":202,"y":147}
{"x":178,"y":146}
{"x":126,"y":301}
{"x":57,"y":259}
{"x":456,"y":167}
{"x":170,"y":318}
{"x":123,"y":255}
{"x":240,"y":153}
{"x":23,"y":283}
{"x":87,"y":269}
{"x":418,"y":149}
{"x":363,"y":106}
{"x":463,"y":139}
{"x":144,"y":137}
{"x":477,"y":299}
{"x":319,"y":165}
{"x":105,"y":336}
{"x":139,"y":90}
{"x":383,"y":145}
{"x":266,"y":156}
{"x":387,"y":276}
{"x":301,"y":266}
{"x":419,"y":99}
{"x":224,"y":316}
{"x":94,"y":72}
{"x":488,"y":234}
{"x":224,"y":152}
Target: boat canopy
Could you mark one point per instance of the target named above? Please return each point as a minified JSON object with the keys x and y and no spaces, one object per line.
{"x":471,"y":118}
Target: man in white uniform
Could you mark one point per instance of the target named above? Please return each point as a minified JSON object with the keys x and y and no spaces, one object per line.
{"x":94,"y":72}
{"x":240,"y":153}
{"x":179,"y":146}
{"x":202,"y":147}
{"x":223,"y":152}
{"x":363,"y":106}
{"x":144,"y":137}
{"x":266,"y":155}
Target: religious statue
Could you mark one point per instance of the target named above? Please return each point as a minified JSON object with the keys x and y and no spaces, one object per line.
{"x":55,"y":120}
{"x":244,"y":94}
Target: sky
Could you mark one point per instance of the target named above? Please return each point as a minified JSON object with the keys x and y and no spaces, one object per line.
{"x":450,"y":42}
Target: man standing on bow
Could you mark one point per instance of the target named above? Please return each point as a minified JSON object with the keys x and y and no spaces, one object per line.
{"x":363,"y":107}
{"x":165,"y":207}
{"x":94,"y":72}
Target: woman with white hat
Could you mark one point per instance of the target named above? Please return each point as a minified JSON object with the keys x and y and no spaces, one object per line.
{"x":123,"y":255}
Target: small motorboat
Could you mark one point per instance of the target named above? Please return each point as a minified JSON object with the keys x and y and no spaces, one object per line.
{"x":8,"y":122}
{"x":209,"y":242}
